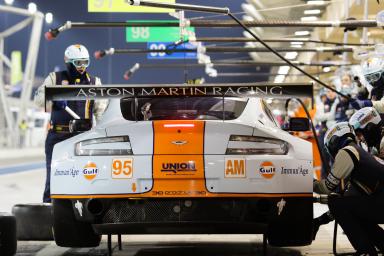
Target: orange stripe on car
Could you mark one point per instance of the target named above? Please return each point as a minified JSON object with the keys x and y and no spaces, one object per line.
{"x":178,"y":160}
{"x":147,"y":195}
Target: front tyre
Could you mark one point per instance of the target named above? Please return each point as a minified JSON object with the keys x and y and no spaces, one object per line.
{"x":69,"y":232}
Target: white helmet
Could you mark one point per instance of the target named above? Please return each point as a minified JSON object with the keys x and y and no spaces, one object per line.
{"x":367,"y":121}
{"x":372,"y":69}
{"x":363,"y":117}
{"x":77,"y":55}
{"x":337,"y":137}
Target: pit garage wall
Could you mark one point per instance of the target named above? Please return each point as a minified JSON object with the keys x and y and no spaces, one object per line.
{"x":111,"y":69}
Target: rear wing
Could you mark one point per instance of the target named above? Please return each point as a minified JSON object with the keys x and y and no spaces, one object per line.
{"x":260,"y":90}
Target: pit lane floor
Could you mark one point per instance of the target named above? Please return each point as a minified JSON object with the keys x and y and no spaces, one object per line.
{"x":26,"y":186}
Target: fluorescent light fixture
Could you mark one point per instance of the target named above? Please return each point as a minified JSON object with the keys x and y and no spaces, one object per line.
{"x":248,"y":18}
{"x":283,"y":70}
{"x":302,"y":33}
{"x":326,"y":69}
{"x":312,"y":12}
{"x":291,"y":55}
{"x":32,"y":7}
{"x":48,"y":17}
{"x":316,"y":2}
{"x":279,"y":78}
{"x":297,"y":43}
{"x":8,"y":2}
{"x":309,"y":18}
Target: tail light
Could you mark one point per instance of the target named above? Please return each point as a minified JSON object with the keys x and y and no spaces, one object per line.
{"x":105,"y":146}
{"x":252,"y":145}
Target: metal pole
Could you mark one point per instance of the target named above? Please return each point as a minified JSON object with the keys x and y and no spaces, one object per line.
{"x":255,"y":74}
{"x":196,"y":8}
{"x":270,"y":40}
{"x":30,"y":66}
{"x":53,"y":33}
{"x":9,"y":122}
{"x":216,"y":49}
{"x":14,"y":10}
{"x":17,"y":27}
{"x":235,"y":64}
{"x":229,"y":23}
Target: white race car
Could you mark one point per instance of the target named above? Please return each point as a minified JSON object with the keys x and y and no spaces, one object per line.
{"x":181,"y":160}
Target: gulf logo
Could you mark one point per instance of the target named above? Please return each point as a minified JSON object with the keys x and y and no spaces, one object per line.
{"x":90,"y":171}
{"x":267,"y":170}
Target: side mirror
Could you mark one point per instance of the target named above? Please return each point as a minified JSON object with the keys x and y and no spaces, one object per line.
{"x":298,"y":124}
{"x":80,"y":125}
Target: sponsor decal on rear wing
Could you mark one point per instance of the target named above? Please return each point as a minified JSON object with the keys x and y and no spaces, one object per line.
{"x":262,"y":90}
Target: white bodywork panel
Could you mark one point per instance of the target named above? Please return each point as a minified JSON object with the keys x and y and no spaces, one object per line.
{"x":93,"y":175}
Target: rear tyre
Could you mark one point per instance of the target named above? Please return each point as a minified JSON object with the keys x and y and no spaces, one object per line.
{"x":293,"y":227}
{"x":67,"y":231}
{"x":8,"y":241}
{"x":34,"y":221}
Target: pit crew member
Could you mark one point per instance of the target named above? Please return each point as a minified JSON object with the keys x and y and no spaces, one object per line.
{"x":76,"y":58}
{"x":373,"y":70}
{"x":368,"y":127}
{"x":360,"y":213}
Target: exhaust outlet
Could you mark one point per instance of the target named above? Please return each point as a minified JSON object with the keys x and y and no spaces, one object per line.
{"x":95,"y":206}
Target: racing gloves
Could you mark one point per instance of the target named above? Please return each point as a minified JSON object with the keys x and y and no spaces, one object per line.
{"x":358,"y":104}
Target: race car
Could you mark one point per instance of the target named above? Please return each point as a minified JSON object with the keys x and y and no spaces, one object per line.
{"x":183,"y":160}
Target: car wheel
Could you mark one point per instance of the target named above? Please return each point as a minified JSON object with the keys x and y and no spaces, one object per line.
{"x":34,"y":221}
{"x":293,"y":227}
{"x":8,"y":241}
{"x":67,"y":231}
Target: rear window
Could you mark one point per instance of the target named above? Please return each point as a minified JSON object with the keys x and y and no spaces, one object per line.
{"x":182,"y":108}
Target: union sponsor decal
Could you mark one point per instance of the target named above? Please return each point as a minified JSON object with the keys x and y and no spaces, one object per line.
{"x":90,"y":171}
{"x":267,"y":170}
{"x":177,"y":168}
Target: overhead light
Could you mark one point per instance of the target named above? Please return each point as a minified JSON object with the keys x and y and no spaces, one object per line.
{"x":309,"y":18}
{"x":316,"y":2}
{"x":248,"y":18}
{"x":312,"y":12}
{"x":291,"y":55}
{"x":49,"y":17}
{"x":326,"y":69}
{"x":283,"y":70}
{"x":297,"y":43}
{"x":302,"y":33}
{"x":8,"y":2}
{"x":32,"y":7}
{"x":279,"y":78}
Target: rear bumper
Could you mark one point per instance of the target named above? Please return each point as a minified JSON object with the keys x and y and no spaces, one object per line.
{"x":181,"y":228}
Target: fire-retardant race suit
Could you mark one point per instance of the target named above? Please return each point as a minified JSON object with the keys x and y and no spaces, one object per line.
{"x":358,"y":214}
{"x":77,"y":60}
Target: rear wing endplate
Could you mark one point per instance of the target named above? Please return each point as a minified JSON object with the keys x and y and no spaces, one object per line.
{"x":260,"y":90}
